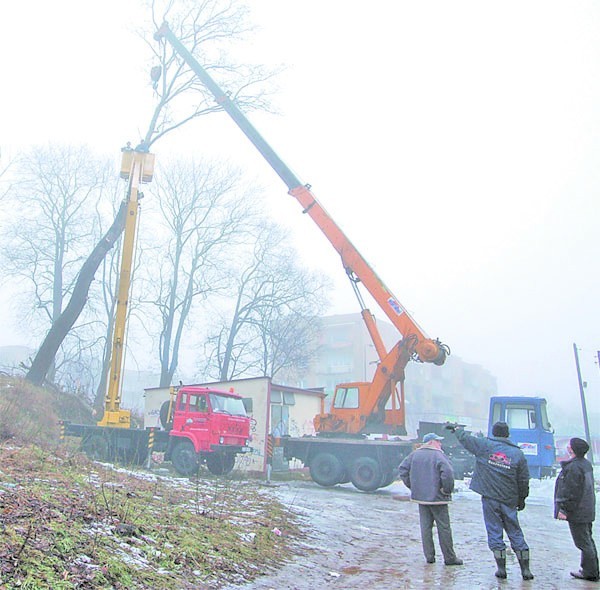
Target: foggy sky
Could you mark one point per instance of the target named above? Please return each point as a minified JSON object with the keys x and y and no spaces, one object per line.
{"x":456,"y":144}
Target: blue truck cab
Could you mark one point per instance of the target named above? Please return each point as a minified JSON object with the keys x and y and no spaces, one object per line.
{"x":527,"y":419}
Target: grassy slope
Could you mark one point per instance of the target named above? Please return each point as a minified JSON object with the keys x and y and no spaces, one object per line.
{"x":68,"y":523}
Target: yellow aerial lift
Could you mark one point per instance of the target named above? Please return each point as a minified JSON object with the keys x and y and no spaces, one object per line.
{"x":137,"y":167}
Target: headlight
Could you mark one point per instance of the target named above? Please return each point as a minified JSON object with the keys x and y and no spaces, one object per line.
{"x":221,"y":440}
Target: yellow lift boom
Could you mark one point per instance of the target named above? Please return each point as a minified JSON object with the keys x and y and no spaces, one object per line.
{"x":137,"y":167}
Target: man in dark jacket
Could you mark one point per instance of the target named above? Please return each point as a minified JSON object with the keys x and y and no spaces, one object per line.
{"x":428,"y":474}
{"x":575,"y":502}
{"x":501,"y":477}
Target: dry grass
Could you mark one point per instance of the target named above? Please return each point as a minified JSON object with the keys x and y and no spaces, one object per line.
{"x":68,"y":523}
{"x":26,"y":413}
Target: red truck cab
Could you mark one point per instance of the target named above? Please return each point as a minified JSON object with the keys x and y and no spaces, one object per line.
{"x":206,"y":426}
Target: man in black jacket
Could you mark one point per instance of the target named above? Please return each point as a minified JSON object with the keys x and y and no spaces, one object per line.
{"x":575,"y":502}
{"x":501,"y":477}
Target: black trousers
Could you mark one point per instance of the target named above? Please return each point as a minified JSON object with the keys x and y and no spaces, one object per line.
{"x":582,"y":537}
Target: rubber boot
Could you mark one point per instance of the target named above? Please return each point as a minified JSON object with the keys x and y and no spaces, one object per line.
{"x":523,"y":557}
{"x":500,"y":557}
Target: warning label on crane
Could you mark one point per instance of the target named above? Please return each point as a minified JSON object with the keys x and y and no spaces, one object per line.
{"x":395,"y":306}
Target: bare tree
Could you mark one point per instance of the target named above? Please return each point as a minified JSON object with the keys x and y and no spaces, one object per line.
{"x":206,"y":212}
{"x":210,"y":23}
{"x":55,"y":194}
{"x":288,"y":332}
{"x":60,"y":328}
{"x":205,"y":28}
{"x":271,"y":326}
{"x":55,"y":197}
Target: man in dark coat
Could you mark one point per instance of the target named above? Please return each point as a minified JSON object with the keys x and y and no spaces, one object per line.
{"x":575,"y":502}
{"x":501,"y":477}
{"x":428,"y":474}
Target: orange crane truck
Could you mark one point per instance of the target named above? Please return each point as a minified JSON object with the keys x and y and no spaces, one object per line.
{"x":341,"y":451}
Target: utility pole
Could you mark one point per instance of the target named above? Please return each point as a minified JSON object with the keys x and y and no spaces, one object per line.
{"x":585,"y":416}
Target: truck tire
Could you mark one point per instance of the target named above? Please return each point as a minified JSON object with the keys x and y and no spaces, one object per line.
{"x":326,"y":470}
{"x":185,"y":458}
{"x":366,"y":474}
{"x":220,"y":463}
{"x":164,"y":414}
{"x":389,"y":478}
{"x":95,"y":446}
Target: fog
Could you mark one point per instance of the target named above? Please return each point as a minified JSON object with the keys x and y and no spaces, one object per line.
{"x":456,"y":144}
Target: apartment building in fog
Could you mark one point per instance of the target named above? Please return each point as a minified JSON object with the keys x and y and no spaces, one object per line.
{"x":456,"y":391}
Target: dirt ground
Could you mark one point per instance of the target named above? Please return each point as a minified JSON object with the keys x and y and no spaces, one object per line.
{"x":358,"y":540}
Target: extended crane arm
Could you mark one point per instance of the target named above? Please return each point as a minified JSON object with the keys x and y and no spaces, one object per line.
{"x":137,"y":167}
{"x":425,"y":349}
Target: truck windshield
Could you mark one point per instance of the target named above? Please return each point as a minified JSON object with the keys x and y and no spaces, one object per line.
{"x":227,"y":404}
{"x":521,"y":417}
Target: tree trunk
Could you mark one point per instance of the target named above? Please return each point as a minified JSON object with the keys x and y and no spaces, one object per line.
{"x":60,"y":328}
{"x":103,"y":384}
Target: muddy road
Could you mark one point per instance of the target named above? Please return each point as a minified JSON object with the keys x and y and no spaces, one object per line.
{"x":358,"y":540}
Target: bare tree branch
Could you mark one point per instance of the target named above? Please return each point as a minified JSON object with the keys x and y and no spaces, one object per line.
{"x":207,"y":214}
{"x":272,"y":325}
{"x":205,"y":28}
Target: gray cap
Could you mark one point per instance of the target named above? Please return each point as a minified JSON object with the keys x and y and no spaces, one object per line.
{"x":432,"y":436}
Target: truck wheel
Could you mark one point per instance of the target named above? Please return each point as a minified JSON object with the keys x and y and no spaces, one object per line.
{"x":164,"y":414}
{"x":95,"y":447}
{"x":185,"y":458}
{"x":389,"y":478}
{"x":326,"y":469}
{"x":366,"y":474}
{"x":220,"y":463}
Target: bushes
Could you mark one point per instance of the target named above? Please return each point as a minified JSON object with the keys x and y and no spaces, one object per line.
{"x":26,"y":412}
{"x":30,"y":414}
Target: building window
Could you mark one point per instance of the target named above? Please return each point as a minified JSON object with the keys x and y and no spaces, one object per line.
{"x":280,"y":412}
{"x":280,"y":420}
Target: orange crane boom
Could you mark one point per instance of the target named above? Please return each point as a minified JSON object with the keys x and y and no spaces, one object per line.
{"x":352,"y":411}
